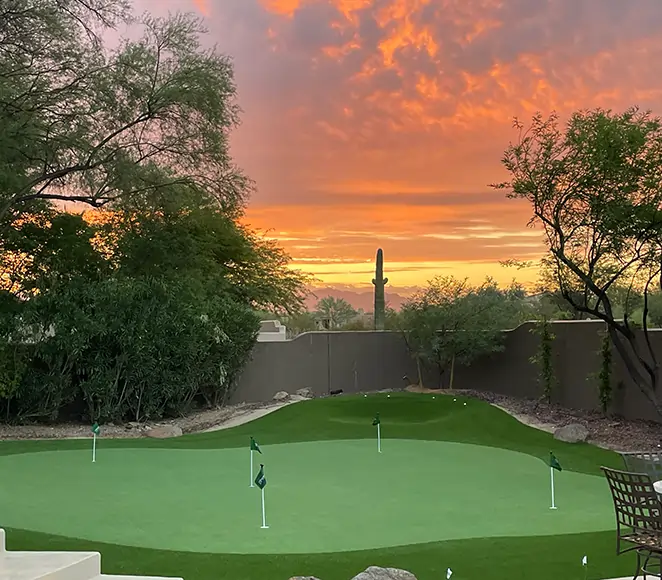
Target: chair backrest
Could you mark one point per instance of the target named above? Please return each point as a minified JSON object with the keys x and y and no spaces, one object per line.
{"x":636,"y":503}
{"x":649,"y":462}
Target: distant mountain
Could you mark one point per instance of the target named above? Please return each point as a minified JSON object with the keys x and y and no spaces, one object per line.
{"x":363,"y":299}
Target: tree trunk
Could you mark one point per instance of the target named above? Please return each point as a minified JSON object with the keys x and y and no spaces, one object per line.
{"x":450,"y":384}
{"x":420,"y":374}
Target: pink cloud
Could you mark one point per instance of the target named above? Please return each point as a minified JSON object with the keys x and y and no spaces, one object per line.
{"x":202,"y":6}
{"x":390,"y":116}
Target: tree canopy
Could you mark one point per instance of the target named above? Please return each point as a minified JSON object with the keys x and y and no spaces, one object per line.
{"x":85,"y":123}
{"x":145,"y":304}
{"x":595,"y":190}
{"x":336,"y":312}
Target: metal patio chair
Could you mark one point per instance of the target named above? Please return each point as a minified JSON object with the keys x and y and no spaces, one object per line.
{"x":649,"y":462}
{"x":638,"y":519}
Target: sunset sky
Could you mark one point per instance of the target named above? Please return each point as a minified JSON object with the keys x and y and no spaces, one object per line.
{"x":380,"y":123}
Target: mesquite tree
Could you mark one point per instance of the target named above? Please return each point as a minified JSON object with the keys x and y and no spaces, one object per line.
{"x":595,"y":189}
{"x":87,"y":123}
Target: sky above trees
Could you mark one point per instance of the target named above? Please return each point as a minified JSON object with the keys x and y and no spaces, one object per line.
{"x":373,"y":123}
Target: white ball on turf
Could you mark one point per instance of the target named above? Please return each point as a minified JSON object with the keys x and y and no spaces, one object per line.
{"x":465,"y":404}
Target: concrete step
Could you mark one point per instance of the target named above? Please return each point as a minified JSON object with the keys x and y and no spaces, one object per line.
{"x":49,"y":565}
{"x":56,"y":566}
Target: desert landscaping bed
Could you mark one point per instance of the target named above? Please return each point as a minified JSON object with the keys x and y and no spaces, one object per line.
{"x":608,"y":432}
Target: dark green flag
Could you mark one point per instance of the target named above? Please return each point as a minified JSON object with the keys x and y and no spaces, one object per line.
{"x":261,"y":480}
{"x":255,"y":446}
{"x":376,"y":420}
{"x":554,"y":463}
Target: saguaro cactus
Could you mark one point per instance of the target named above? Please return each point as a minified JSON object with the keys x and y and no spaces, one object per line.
{"x":379,"y":281}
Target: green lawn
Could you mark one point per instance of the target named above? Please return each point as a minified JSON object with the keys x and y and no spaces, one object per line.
{"x":335,"y":506}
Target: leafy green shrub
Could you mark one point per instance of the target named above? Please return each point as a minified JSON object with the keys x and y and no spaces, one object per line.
{"x":132,"y":348}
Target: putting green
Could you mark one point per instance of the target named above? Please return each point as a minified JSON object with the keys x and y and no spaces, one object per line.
{"x":327,"y":496}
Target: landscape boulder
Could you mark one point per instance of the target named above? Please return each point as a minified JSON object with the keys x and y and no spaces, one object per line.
{"x":281,"y":396}
{"x":306,"y":393}
{"x":377,"y":573}
{"x":573,"y":433}
{"x":164,"y":432}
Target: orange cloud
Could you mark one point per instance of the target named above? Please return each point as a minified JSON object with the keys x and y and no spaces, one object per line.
{"x":202,"y":6}
{"x":382,"y":121}
{"x":282,"y":7}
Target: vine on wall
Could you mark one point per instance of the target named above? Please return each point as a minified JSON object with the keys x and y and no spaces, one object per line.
{"x":604,"y":376}
{"x":543,"y":358}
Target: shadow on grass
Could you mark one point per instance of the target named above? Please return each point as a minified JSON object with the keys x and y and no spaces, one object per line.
{"x":539,"y":558}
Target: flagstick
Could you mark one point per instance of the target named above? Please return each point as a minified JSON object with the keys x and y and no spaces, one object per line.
{"x":94,"y":448}
{"x":379,"y":438}
{"x":551,"y":470}
{"x":264,"y":514}
{"x":252,"y":484}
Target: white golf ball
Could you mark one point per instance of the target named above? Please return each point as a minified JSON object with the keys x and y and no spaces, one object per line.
{"x":436,"y":397}
{"x":365,"y":395}
{"x":454,"y":400}
{"x":465,"y":404}
{"x":388,"y":396}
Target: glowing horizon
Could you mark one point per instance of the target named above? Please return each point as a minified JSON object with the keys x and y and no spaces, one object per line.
{"x":380,"y":123}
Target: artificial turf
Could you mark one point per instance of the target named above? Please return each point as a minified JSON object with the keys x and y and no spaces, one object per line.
{"x":324,"y":496}
{"x":492,"y":489}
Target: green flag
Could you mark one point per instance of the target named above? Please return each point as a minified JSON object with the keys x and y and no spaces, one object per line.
{"x":261,"y":480}
{"x":96,"y":429}
{"x":255,"y":446}
{"x":554,"y":463}
{"x":376,"y":420}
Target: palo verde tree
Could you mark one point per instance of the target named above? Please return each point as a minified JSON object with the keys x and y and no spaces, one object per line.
{"x":81,"y":122}
{"x":552,"y":305}
{"x":595,"y":189}
{"x":452,"y":322}
{"x":336,"y":311}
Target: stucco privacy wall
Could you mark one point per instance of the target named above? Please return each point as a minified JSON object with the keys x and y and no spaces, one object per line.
{"x":323,"y":362}
{"x":366,"y":361}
